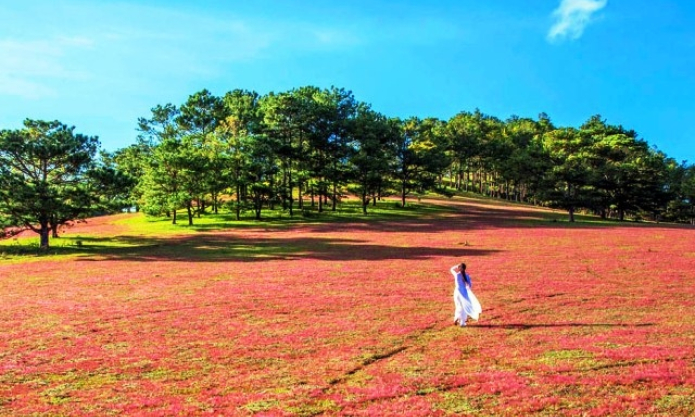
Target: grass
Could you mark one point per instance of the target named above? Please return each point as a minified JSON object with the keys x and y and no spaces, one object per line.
{"x":344,"y":314}
{"x":138,"y":234}
{"x":141,"y":233}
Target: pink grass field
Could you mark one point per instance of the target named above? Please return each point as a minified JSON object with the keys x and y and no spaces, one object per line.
{"x":355,"y":318}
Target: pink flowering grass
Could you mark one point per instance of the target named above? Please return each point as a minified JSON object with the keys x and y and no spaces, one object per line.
{"x":355,"y":318}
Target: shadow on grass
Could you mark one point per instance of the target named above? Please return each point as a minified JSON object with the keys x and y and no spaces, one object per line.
{"x":208,"y":244}
{"x":451,"y":215}
{"x":431,"y":215}
{"x":211,"y":247}
{"x":527,"y":326}
{"x":348,"y":214}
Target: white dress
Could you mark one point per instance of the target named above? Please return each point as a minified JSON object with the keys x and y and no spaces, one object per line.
{"x":467,"y":304}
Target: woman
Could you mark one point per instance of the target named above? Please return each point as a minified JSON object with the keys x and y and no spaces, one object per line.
{"x":466,"y":303}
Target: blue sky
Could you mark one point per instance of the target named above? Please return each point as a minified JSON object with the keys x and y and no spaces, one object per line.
{"x":99,"y":65}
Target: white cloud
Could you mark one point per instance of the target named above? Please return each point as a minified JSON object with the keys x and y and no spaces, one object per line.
{"x":572,"y":16}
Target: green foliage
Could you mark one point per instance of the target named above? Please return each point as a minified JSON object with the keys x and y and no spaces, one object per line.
{"x":48,"y":177}
{"x":279,"y":149}
{"x":246,"y":151}
{"x":374,"y":139}
{"x":604,"y":168}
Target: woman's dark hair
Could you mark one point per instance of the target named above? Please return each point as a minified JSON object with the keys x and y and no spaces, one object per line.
{"x":463,"y":266}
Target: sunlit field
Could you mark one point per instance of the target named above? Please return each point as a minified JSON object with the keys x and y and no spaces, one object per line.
{"x":351,"y":315}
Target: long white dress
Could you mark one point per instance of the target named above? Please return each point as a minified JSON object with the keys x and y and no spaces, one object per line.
{"x":467,"y":304}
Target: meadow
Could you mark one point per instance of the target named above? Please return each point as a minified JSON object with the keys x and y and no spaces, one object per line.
{"x":351,"y":315}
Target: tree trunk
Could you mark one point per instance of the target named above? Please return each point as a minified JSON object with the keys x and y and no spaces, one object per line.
{"x":44,"y":233}
{"x":321,"y":192}
{"x":335,"y":196}
{"x":365,"y":200}
{"x":258,"y":203}
{"x":459,"y":178}
{"x":480,"y":180}
{"x":290,"y":186}
{"x":237,"y":209}
{"x":53,"y":226}
{"x":300,"y":195}
{"x":271,"y":199}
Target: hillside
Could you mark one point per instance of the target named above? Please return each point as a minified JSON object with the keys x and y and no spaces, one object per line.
{"x":352,"y":317}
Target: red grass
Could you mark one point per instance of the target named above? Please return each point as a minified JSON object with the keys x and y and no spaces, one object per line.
{"x":354,"y":319}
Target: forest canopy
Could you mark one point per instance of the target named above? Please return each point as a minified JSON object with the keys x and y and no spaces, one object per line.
{"x":306,"y":148}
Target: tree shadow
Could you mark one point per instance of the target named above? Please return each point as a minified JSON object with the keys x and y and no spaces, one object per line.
{"x":528,"y":326}
{"x":451,"y":215}
{"x":213,"y":241}
{"x":232,"y":248}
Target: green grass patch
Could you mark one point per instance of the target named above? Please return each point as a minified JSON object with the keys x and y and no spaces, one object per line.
{"x":678,"y":402}
{"x":261,"y":406}
{"x":70,"y":246}
{"x":385,"y":210}
{"x":146,"y":236}
{"x":579,"y":359}
{"x":146,"y":233}
{"x":456,"y":403}
{"x":314,"y":408}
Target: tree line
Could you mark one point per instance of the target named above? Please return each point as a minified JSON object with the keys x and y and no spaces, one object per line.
{"x":305,"y":149}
